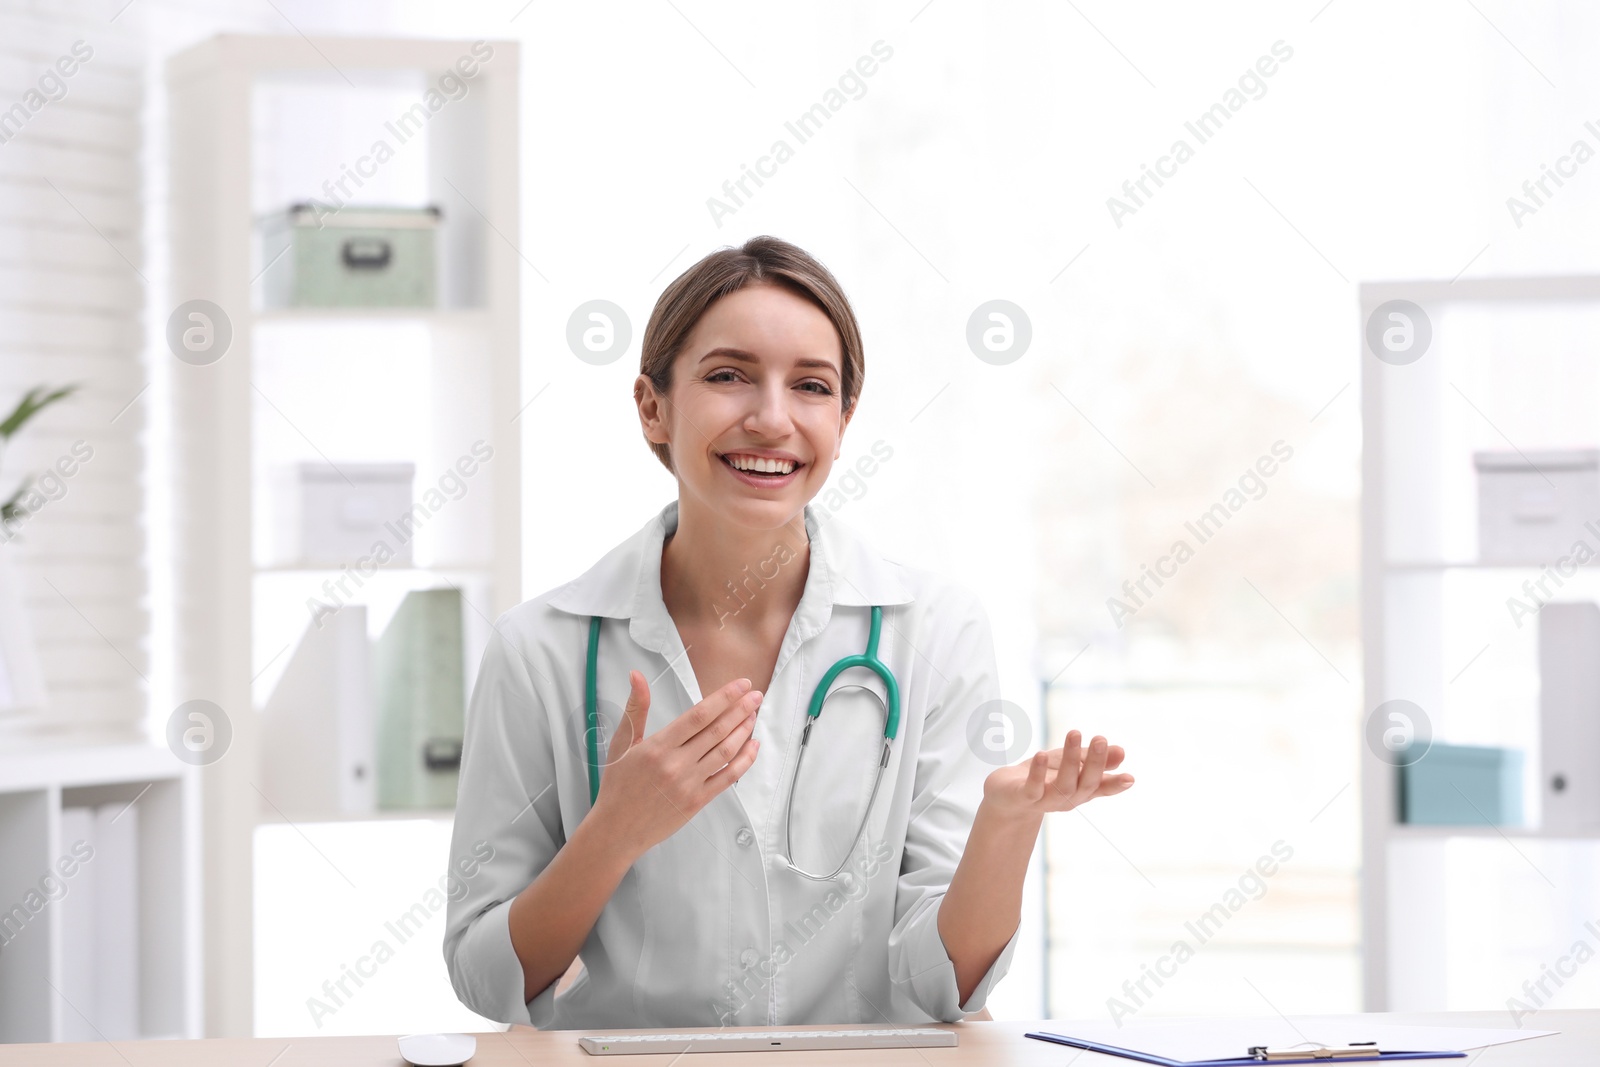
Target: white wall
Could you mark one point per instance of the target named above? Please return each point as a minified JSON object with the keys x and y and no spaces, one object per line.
{"x":71,"y":300}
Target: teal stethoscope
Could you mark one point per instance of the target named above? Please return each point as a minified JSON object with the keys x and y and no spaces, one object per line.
{"x":868,"y":659}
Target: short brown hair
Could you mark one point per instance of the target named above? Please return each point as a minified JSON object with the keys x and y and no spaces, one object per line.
{"x":759,"y":261}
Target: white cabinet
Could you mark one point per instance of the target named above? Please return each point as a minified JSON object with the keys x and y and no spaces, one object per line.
{"x":257,"y":123}
{"x":99,"y":886}
{"x":1458,"y":915}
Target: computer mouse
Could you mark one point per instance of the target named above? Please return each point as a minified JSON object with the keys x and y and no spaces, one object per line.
{"x":438,"y":1050}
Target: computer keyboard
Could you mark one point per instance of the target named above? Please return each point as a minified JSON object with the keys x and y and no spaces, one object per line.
{"x":764,"y":1041}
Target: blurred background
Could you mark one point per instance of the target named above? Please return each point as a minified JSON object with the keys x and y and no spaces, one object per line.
{"x":1238,"y":359}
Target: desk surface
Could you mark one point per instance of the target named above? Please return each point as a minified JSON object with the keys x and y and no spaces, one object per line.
{"x":984,"y":1043}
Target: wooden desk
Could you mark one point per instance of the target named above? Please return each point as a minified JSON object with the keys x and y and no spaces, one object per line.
{"x":982,"y":1043}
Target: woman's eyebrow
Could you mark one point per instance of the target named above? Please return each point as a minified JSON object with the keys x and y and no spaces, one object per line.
{"x":742,"y":356}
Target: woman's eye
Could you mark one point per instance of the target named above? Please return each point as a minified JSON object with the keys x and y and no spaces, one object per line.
{"x":722,"y":376}
{"x":820,"y":388}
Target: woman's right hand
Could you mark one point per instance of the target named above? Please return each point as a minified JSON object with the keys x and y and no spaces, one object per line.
{"x":651,"y":786}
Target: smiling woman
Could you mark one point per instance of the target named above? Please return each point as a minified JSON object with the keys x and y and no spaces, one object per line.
{"x":786,"y":272}
{"x":762,"y":361}
{"x":751,"y":369}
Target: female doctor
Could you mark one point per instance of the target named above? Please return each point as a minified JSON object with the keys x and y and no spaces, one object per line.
{"x":714,"y":853}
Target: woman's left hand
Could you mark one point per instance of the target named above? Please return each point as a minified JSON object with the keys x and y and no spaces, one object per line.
{"x":1057,"y":779}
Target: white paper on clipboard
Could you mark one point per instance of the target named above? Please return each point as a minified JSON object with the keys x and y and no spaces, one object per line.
{"x":1217,"y":1039}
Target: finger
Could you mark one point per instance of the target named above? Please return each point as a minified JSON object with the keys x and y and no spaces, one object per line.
{"x":723,"y":751}
{"x":724,"y":724}
{"x":1038,"y":773}
{"x":702,"y":714}
{"x":1066,"y":780}
{"x":735,"y":768}
{"x":1113,"y":784}
{"x":630,"y":731}
{"x":1094,"y":767}
{"x":1114,"y":756}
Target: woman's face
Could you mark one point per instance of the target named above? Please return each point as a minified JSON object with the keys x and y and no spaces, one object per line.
{"x":754,"y":418}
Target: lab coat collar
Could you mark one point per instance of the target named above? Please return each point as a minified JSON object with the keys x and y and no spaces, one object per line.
{"x":626,"y":582}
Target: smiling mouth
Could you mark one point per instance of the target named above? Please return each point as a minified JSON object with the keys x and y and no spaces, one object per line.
{"x":761,"y":468}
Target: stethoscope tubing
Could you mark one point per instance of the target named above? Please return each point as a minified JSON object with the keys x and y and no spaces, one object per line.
{"x":868,"y":660}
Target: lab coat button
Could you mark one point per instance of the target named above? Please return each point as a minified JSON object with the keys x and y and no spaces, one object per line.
{"x":747,"y":958}
{"x":744,"y":837}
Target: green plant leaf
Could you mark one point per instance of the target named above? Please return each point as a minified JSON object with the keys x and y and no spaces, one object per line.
{"x":11,"y":511}
{"x":33,"y":401}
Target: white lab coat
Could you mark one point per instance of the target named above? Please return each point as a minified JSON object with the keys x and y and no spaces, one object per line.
{"x":709,"y":928}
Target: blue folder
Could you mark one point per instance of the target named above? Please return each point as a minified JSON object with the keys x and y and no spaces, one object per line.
{"x":1242,"y":1061}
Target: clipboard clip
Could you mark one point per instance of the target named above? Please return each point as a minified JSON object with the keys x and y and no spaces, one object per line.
{"x":1360,"y":1049}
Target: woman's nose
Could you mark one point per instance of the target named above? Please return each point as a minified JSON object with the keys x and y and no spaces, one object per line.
{"x":770,"y":417}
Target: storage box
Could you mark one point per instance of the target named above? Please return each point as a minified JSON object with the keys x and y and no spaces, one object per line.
{"x":315,"y":256}
{"x":337,"y":517}
{"x":1463,"y":785}
{"x":1533,"y":506}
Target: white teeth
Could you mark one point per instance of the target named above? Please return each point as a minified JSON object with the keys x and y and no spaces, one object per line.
{"x":761,"y":465}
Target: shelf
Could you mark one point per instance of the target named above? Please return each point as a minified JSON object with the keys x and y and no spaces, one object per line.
{"x":1465,"y":565}
{"x":322,"y":316}
{"x":1582,"y":287}
{"x":40,"y":765}
{"x":419,"y":384}
{"x":120,"y":897}
{"x":1416,"y":832}
{"x":268,"y":815}
{"x":1431,"y":609}
{"x":442,"y":568}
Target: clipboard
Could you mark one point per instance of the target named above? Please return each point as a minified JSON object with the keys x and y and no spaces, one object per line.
{"x":1247,"y":1060}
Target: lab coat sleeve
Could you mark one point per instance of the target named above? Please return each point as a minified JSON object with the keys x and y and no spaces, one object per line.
{"x":507,"y":829}
{"x":948,"y":788}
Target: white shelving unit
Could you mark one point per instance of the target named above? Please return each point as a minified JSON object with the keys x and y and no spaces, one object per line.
{"x":249,"y":116}
{"x":142,"y":783}
{"x":1510,"y":365}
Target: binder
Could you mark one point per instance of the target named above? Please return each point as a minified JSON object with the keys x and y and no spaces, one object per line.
{"x":1569,"y":716}
{"x":1275,"y":1055}
{"x":98,"y":918}
{"x":75,"y":916}
{"x":420,"y":688}
{"x":317,"y":747}
{"x":115,"y":869}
